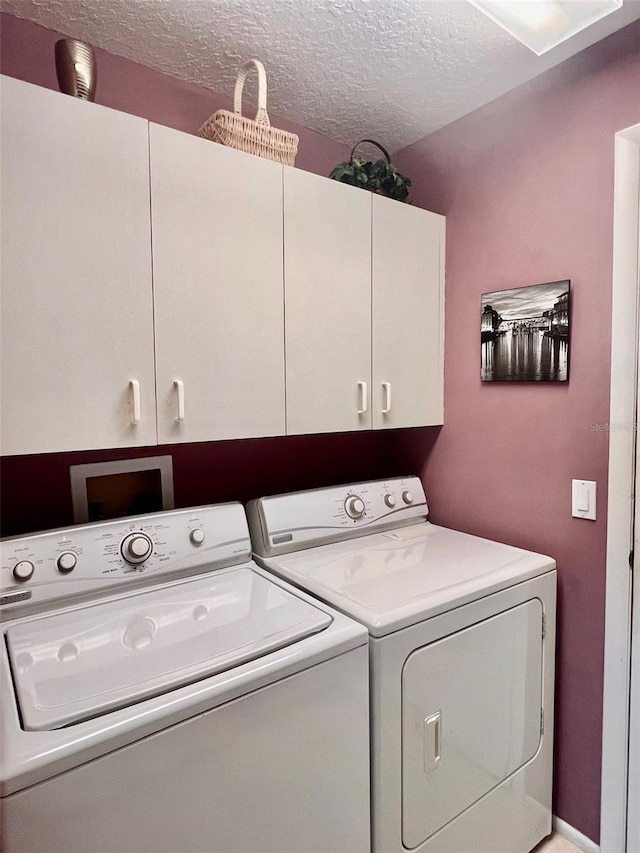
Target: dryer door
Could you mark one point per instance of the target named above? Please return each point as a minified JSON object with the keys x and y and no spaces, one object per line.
{"x":471,"y":713}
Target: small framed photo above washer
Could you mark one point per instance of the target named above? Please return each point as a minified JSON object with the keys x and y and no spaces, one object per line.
{"x":524,"y":333}
{"x":105,"y":490}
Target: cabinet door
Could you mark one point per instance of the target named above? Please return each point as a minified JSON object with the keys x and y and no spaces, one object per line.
{"x":327,"y":250}
{"x":218,"y":290}
{"x":408,"y":315}
{"x":77,"y":319}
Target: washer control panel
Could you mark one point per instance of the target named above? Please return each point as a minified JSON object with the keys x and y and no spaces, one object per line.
{"x":59,"y":564}
{"x":299,"y":520}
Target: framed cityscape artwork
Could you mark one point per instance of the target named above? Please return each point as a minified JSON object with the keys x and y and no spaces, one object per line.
{"x":524,"y":334}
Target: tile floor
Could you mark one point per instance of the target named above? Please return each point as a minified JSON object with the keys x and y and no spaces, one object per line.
{"x":556,"y":844}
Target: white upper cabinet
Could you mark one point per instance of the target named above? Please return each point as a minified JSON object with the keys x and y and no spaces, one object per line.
{"x":77,"y":320}
{"x":327,"y":251}
{"x":218,"y":290}
{"x":160,"y":288}
{"x":408,"y":315}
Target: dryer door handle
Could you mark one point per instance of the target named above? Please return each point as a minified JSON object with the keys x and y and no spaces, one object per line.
{"x":432,"y":741}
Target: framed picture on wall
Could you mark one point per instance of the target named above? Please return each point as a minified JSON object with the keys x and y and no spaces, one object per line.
{"x":524,"y":334}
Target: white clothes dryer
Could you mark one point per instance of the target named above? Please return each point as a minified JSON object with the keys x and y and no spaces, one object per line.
{"x":462,"y":637}
{"x":159,"y":693}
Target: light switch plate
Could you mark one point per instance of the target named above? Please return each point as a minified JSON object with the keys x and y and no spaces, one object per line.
{"x":583,"y":499}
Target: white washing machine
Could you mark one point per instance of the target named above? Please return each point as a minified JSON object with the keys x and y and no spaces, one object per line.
{"x":461,"y":660}
{"x":160,"y":693}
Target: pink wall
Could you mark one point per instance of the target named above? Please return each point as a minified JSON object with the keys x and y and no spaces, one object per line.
{"x":526,"y":184}
{"x":26,"y":52}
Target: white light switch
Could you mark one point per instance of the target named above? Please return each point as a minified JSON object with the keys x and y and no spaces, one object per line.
{"x":583,"y":499}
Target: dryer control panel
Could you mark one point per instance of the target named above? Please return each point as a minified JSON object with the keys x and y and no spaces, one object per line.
{"x":298,"y":520}
{"x":48,"y":567}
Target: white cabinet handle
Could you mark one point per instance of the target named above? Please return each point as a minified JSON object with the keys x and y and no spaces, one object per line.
{"x":386,"y":398}
{"x":179,"y":386}
{"x":134,"y":385}
{"x":431,"y":742}
{"x":362,"y":397}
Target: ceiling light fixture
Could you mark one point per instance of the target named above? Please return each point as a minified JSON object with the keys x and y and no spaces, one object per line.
{"x":543,"y":24}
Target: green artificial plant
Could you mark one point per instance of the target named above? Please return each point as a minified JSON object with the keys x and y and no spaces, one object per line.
{"x":379,"y":176}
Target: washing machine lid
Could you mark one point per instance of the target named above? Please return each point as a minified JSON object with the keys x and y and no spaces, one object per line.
{"x":394,"y":579}
{"x":72,"y":666}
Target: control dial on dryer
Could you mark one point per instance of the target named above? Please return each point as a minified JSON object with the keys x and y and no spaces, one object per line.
{"x":354,"y":506}
{"x":136,"y":548}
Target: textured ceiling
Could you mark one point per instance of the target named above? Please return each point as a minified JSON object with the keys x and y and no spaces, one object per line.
{"x":394,"y":70}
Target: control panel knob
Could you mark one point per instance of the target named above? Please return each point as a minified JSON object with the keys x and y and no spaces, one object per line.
{"x":66,"y":562}
{"x":23,"y":570}
{"x":197,"y":536}
{"x":354,"y":506}
{"x":407,"y":497}
{"x":390,"y":501}
{"x":136,"y":547}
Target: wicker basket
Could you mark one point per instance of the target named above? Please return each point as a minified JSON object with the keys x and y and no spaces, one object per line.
{"x":253,"y":136}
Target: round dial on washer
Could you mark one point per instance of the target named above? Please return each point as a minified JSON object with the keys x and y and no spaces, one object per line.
{"x":23,"y":570}
{"x":197,"y":536}
{"x":66,"y":562}
{"x":407,"y":497}
{"x":136,"y":547}
{"x":390,"y":501}
{"x":354,"y":506}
